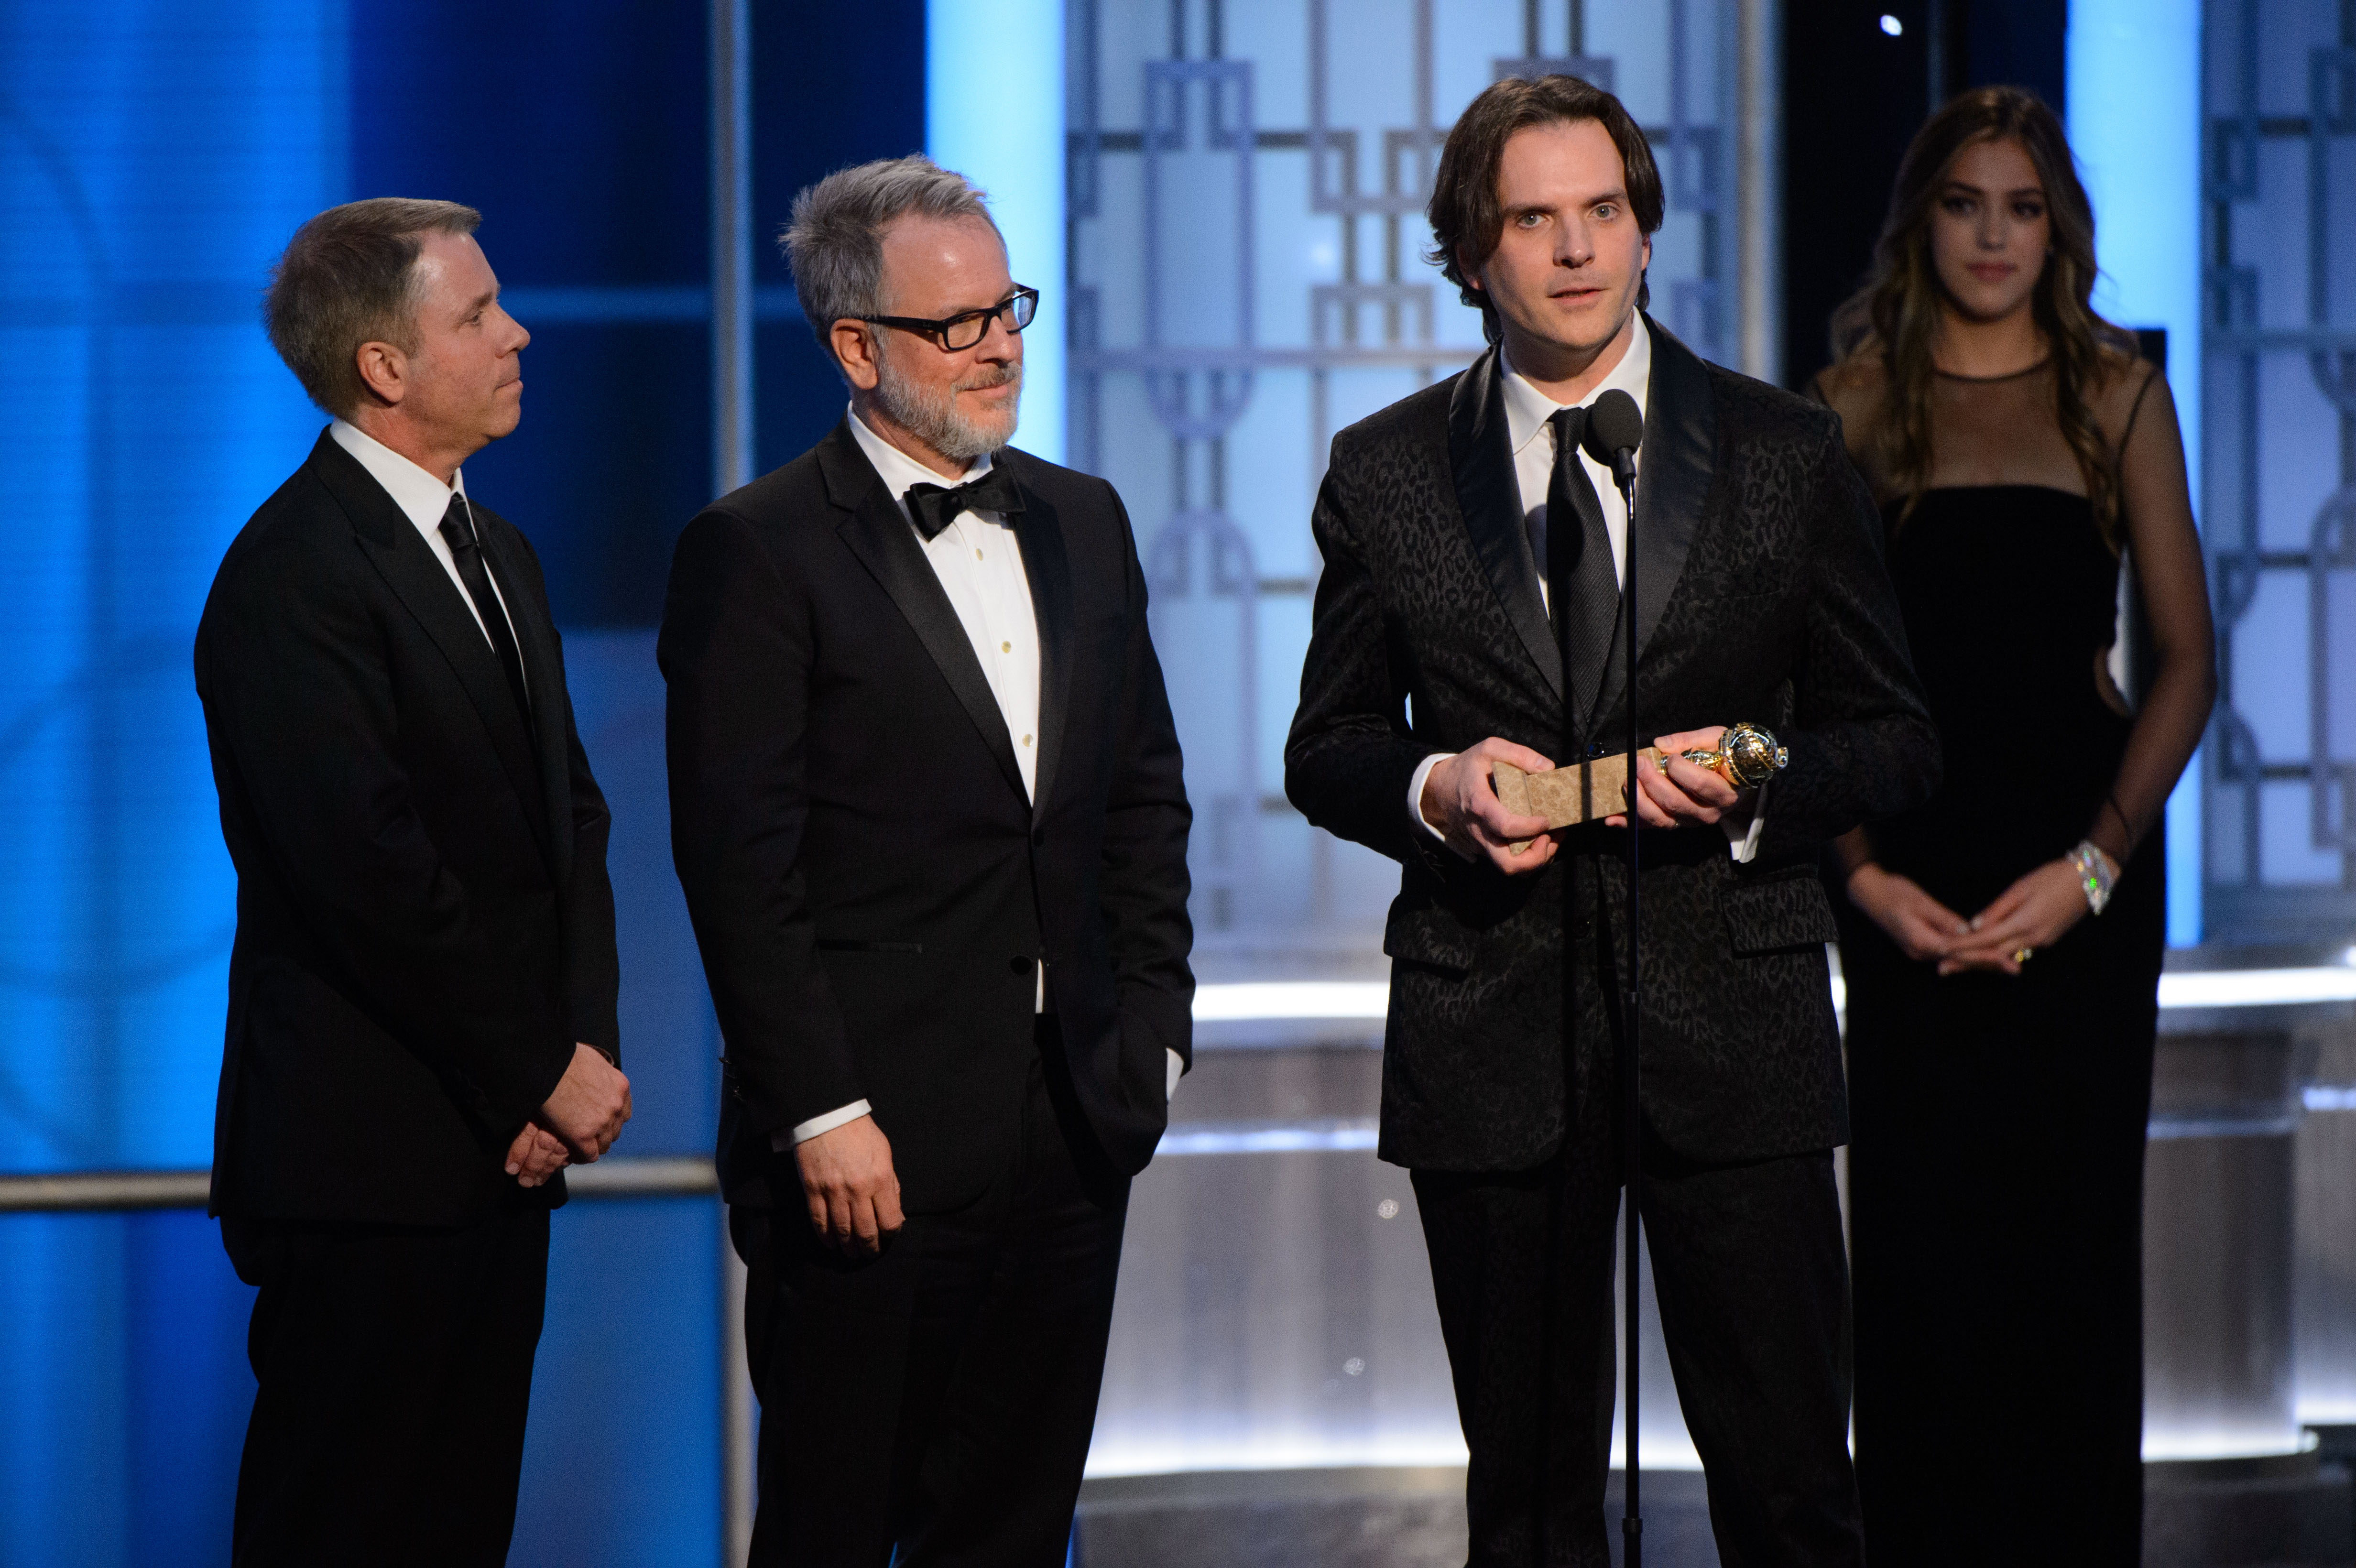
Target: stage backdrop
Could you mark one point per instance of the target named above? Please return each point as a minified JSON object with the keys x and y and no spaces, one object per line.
{"x":154,"y":157}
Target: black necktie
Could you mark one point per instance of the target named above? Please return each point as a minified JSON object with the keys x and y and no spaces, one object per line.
{"x":934,"y":508}
{"x":1582,"y":588}
{"x":458,"y":529}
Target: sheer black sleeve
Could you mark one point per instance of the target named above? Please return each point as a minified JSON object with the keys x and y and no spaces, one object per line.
{"x":2156,"y":528}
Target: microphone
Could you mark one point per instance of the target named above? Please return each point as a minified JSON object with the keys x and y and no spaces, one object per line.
{"x":1615,"y":429}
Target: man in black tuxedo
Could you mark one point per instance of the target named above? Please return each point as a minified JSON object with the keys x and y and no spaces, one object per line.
{"x":421,"y":994}
{"x":1472,"y":561}
{"x":927,"y":808}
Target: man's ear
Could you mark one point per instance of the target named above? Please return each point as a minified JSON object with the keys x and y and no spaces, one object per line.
{"x":384,"y":371}
{"x":1465,"y":265}
{"x":854,"y":343}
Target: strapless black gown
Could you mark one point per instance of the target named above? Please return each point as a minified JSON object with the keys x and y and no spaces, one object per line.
{"x":1996,"y":1171}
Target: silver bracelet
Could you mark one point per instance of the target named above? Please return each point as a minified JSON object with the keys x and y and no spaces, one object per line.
{"x":2097,"y":874}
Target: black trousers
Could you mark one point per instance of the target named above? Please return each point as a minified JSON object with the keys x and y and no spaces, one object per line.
{"x":932,"y":1406}
{"x":395,"y":1365}
{"x":1750,"y":1272}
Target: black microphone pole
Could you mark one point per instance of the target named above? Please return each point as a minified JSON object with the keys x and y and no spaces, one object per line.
{"x":1616,"y":427}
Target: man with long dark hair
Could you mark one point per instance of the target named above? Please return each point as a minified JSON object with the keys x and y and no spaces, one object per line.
{"x":1470,"y":615}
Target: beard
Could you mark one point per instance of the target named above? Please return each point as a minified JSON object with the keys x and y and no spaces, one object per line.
{"x":931,"y":413}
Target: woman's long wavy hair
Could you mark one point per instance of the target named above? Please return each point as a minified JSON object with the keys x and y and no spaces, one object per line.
{"x":1895,"y":317}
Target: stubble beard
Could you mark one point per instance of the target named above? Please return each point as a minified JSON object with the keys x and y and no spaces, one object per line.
{"x":931,"y":414}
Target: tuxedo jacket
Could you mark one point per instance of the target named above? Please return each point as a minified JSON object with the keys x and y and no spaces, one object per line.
{"x":424,"y":927}
{"x":1761,"y":596}
{"x":872,"y":890}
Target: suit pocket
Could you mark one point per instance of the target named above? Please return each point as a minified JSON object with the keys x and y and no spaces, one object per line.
{"x":1788,"y":910}
{"x":1429,"y":936}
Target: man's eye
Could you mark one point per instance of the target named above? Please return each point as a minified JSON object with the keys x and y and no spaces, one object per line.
{"x":1606,"y":213}
{"x":1530,"y":219}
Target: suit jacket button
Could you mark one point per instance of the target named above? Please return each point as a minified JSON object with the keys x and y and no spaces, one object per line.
{"x":1019,"y":965}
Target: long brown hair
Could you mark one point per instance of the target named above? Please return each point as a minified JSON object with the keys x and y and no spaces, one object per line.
{"x":1895,"y":317}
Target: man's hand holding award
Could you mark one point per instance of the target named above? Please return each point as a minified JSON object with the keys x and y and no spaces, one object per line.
{"x":1694,"y":776}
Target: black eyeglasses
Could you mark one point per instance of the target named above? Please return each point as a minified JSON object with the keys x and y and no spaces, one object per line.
{"x":958,"y":333}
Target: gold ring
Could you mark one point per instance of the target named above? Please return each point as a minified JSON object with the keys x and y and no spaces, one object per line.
{"x":2023,"y":954}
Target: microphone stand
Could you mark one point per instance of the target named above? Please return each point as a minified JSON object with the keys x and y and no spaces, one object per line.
{"x":1632,"y":1523}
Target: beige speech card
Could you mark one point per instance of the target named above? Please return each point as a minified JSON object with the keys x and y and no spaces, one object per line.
{"x":1567,"y":796}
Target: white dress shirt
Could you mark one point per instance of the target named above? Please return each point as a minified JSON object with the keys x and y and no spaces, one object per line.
{"x":980,"y":565}
{"x":1527,"y":431}
{"x":424,"y":500}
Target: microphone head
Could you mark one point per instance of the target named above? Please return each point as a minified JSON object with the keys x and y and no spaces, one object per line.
{"x":1615,"y":426}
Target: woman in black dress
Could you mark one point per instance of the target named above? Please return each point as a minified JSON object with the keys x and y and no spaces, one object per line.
{"x":2002,"y":945}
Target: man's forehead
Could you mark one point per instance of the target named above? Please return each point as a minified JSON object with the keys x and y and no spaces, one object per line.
{"x":937,"y":257}
{"x":1574,"y":156}
{"x":453,"y":261}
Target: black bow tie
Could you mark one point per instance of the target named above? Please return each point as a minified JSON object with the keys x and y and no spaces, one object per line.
{"x":935,"y":506}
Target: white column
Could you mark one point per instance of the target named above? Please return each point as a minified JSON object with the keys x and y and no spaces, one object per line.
{"x":2135,"y":123}
{"x":732,"y":246}
{"x":994,"y":113}
{"x":731,"y":129}
{"x":1759,"y":187}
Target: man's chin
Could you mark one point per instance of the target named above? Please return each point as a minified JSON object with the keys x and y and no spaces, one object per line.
{"x":1585,"y":328}
{"x":997,"y":428}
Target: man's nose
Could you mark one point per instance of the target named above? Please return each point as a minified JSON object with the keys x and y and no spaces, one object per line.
{"x":998,"y":344}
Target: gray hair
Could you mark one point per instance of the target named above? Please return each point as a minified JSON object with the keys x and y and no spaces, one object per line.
{"x":349,"y":277}
{"x":835,"y":241}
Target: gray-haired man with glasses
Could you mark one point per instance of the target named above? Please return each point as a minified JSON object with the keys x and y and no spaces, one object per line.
{"x":927,"y":808}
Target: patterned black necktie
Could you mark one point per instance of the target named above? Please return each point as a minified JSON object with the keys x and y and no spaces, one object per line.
{"x":1582,"y":587}
{"x":935,"y":508}
{"x":458,"y":529}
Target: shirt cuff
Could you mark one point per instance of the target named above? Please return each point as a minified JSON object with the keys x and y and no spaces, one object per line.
{"x":803,"y":1133}
{"x":1177,"y":1069}
{"x":1415,"y":792}
{"x":1744,"y":846}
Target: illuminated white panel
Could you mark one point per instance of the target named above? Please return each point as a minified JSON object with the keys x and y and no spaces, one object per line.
{"x":994,"y":113}
{"x":2135,"y":125}
{"x":1292,"y":999}
{"x":2252,"y":1441}
{"x":2257,"y":988}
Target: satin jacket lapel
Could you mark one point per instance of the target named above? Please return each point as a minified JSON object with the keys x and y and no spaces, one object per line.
{"x":543,"y":674}
{"x":417,"y":580}
{"x":1481,"y":461}
{"x":1041,"y":533}
{"x":1674,"y":467}
{"x":884,"y":543}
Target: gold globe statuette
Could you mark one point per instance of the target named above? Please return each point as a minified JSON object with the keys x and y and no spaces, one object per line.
{"x":1747,"y":756}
